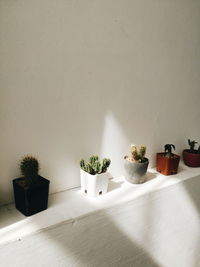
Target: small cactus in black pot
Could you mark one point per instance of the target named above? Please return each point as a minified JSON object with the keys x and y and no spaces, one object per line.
{"x":31,"y":191}
{"x":29,"y":167}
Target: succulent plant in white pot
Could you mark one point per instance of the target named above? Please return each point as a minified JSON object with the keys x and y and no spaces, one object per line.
{"x":136,"y":165}
{"x":94,"y":176}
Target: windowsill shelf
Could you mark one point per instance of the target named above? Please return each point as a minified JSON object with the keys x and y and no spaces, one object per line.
{"x":68,"y":205}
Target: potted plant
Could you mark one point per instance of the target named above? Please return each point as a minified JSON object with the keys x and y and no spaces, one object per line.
{"x":136,"y":165}
{"x":31,"y":190}
{"x":191,"y":157}
{"x":94,"y":176}
{"x":167,"y":162}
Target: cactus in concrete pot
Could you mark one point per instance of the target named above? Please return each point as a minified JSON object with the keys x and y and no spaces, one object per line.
{"x":136,"y":164}
{"x":94,"y":176}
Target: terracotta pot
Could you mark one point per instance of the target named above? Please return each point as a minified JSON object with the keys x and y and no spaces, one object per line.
{"x":191,"y":159}
{"x":165,"y":165}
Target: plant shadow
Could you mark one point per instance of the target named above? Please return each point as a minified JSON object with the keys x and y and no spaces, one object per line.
{"x":9,"y":215}
{"x":114,"y":185}
{"x":147,"y":178}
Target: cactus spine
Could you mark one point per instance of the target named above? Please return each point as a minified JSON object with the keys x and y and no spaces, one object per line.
{"x":94,"y":166}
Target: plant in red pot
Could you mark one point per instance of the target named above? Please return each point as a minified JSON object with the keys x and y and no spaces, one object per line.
{"x":191,"y":157}
{"x":167,"y":162}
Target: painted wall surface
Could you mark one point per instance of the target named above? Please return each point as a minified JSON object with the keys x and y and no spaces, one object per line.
{"x":91,"y":77}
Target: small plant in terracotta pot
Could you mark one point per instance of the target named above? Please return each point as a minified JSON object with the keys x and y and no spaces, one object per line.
{"x":167,"y":162}
{"x":94,"y":176}
{"x":136,"y":165}
{"x":191,"y":157}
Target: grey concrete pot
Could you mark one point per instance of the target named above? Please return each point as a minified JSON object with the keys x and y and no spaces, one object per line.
{"x":134,"y":171}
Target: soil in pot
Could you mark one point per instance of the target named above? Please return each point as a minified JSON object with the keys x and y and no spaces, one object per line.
{"x":191,"y":159}
{"x":167,"y":165}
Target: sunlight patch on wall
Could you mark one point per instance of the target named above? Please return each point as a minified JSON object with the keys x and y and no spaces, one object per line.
{"x":115,"y":144}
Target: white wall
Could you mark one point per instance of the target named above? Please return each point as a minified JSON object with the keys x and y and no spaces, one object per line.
{"x":83,"y":77}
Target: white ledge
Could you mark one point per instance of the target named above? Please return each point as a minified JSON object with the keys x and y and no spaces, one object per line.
{"x":71,"y":204}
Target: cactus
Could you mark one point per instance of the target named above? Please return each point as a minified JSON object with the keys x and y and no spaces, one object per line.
{"x":168,"y":148}
{"x":29,"y":167}
{"x":105,"y":165}
{"x":142,"y":152}
{"x":134,"y":153}
{"x":89,"y":169}
{"x":97,"y":167}
{"x":94,"y":166}
{"x":138,"y":154}
{"x":93,"y":159}
{"x":192,"y":145}
{"x":82,"y":164}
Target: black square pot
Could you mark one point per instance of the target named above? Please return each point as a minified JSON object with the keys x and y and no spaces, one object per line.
{"x":32,"y":200}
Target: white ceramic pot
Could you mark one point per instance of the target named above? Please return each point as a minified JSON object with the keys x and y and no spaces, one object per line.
{"x":94,"y":185}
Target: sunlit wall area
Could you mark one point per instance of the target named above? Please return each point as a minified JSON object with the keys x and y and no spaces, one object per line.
{"x":92,"y":77}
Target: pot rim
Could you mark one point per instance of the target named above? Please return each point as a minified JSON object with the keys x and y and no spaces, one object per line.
{"x":164,"y":153}
{"x":135,"y":162}
{"x":189,"y":152}
{"x":93,"y":175}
